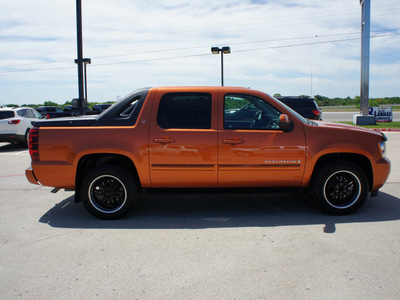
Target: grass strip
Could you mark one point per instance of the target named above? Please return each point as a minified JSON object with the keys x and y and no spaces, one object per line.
{"x":386,"y":125}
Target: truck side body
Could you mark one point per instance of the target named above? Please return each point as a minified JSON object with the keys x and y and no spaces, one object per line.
{"x":196,"y":137}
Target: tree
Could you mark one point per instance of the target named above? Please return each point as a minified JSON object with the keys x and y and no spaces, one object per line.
{"x":50,"y":103}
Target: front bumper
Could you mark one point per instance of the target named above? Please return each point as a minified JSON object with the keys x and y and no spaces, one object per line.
{"x":381,"y":173}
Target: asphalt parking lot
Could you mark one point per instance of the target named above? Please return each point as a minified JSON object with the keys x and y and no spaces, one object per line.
{"x":212,"y":246}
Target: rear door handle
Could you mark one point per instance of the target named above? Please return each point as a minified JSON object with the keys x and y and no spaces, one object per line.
{"x":233,"y":141}
{"x":164,"y":140}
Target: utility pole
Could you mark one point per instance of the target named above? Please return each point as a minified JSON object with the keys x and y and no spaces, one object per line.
{"x":79,"y":61}
{"x":364,"y":118}
{"x":365,"y":43}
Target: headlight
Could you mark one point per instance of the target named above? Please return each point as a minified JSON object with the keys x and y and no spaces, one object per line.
{"x":382,"y":148}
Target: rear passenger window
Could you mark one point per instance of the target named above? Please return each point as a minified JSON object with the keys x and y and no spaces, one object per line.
{"x":185,"y":110}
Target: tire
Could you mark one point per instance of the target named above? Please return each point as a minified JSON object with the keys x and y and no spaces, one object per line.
{"x":108,"y":192}
{"x":25,"y":142}
{"x":340,"y":187}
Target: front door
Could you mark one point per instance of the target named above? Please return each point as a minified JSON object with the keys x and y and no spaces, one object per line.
{"x":252,"y":149}
{"x":183,"y":140}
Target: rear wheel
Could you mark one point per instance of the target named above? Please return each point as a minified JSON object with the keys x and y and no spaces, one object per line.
{"x":25,"y":142}
{"x":108,"y":192}
{"x":340,"y":187}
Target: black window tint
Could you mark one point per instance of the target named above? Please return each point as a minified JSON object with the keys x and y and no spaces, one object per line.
{"x":6,"y":115}
{"x":185,"y":110}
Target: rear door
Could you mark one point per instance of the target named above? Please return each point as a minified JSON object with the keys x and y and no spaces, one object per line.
{"x":255,"y":152}
{"x":183,"y":139}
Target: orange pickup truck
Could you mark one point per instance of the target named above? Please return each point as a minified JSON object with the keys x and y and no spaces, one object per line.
{"x":204,"y":137}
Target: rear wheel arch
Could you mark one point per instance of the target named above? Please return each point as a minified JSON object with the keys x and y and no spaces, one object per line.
{"x":108,"y":191}
{"x":92,"y":161}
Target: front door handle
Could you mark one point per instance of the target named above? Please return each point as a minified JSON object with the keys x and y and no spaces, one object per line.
{"x":233,"y":141}
{"x":164,"y":140}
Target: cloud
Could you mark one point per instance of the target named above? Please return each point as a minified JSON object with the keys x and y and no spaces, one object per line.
{"x":275,"y":46}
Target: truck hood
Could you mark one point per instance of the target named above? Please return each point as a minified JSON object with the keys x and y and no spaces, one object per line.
{"x":349,"y":127}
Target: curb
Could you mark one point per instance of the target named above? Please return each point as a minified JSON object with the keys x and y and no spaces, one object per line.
{"x":387,"y":129}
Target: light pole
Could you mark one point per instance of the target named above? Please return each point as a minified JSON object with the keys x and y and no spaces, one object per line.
{"x":365,"y":45}
{"x":79,"y":61}
{"x":363,"y":118}
{"x":226,"y":50}
{"x":85,"y":62}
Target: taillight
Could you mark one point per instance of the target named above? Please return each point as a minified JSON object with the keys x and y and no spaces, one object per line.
{"x":34,"y":143}
{"x":316,"y":112}
{"x":14,"y":122}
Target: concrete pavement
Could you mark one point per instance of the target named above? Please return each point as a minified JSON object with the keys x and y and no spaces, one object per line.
{"x":213,"y":246}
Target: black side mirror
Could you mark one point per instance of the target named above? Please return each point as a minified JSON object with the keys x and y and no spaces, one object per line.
{"x":284,"y":123}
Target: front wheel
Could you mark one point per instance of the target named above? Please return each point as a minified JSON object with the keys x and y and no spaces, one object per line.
{"x":340,"y":187}
{"x":108,"y":192}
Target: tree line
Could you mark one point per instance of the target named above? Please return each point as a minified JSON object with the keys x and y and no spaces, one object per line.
{"x":321,"y":101}
{"x":52,"y":103}
{"x":373,"y":102}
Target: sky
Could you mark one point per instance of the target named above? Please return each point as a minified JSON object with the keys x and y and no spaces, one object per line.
{"x":290,"y":47}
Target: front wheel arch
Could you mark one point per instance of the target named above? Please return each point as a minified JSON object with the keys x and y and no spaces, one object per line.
{"x":360,"y":160}
{"x":340,"y":187}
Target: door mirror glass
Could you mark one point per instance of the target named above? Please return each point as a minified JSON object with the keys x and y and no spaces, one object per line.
{"x":284,"y":123}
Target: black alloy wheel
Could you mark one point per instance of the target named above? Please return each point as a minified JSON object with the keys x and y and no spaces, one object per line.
{"x":108,"y":192}
{"x":340,"y":187}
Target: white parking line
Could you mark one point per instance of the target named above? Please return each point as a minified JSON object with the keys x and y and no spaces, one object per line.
{"x":25,"y":152}
{"x":22,"y":152}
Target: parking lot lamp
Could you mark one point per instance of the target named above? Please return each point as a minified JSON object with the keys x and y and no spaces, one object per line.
{"x":217,"y":50}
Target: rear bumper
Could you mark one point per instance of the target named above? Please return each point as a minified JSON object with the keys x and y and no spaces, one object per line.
{"x":31,"y":176}
{"x":51,"y":173}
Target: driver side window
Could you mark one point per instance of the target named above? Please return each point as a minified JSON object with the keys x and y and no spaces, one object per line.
{"x":249,"y":112}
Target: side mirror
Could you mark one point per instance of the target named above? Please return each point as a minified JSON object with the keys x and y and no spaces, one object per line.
{"x":284,"y":123}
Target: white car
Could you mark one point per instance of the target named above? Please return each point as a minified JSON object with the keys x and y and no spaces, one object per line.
{"x":15,"y":124}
